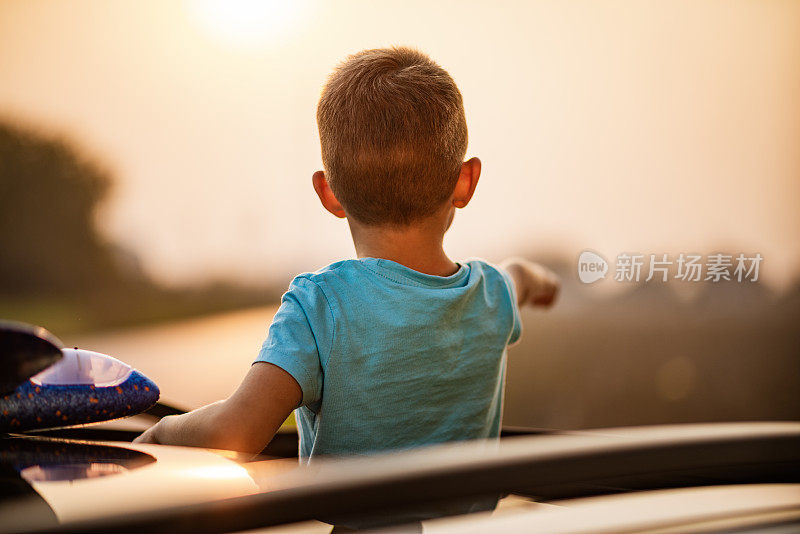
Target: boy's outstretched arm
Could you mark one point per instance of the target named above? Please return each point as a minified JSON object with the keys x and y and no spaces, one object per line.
{"x":245,"y":422}
{"x":535,"y":285}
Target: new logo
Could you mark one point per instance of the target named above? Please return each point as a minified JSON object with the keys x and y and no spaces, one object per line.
{"x":591,"y":267}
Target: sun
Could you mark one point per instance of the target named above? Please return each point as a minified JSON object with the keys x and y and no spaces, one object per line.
{"x":244,"y":23}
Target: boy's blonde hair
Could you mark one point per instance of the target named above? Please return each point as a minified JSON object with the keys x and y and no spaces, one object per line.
{"x":393,"y":135}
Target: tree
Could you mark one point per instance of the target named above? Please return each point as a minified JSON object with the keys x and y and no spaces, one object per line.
{"x":49,"y":194}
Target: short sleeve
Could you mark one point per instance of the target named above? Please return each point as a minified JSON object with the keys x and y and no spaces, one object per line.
{"x":299,"y":336}
{"x":516,"y":329}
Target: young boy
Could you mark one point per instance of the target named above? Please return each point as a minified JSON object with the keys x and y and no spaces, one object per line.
{"x":401,"y":347}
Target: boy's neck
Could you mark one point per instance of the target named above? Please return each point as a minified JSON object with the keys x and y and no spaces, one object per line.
{"x":417,"y":246}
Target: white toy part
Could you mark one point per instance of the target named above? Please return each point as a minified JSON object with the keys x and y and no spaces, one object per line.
{"x":84,"y":367}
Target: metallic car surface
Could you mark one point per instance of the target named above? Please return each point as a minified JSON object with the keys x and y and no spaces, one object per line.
{"x":97,"y":487}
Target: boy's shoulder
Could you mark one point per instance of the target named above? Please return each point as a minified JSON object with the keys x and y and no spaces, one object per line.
{"x":352,"y":269}
{"x":482,"y":264}
{"x":322,"y":274}
{"x":316,"y":285}
{"x":487,"y":269}
{"x":331,"y":291}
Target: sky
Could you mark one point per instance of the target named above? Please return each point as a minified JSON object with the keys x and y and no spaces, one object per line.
{"x":651,"y":127}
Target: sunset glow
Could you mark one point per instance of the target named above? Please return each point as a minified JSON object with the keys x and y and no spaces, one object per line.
{"x":243,"y":23}
{"x":587,"y":140}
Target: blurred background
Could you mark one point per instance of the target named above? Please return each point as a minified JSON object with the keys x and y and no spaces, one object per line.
{"x":155,"y":185}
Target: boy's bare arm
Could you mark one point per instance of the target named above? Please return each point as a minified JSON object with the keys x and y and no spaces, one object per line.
{"x":245,"y":422}
{"x":535,"y":285}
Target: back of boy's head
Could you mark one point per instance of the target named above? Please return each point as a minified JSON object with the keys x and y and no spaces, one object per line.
{"x":393,"y":135}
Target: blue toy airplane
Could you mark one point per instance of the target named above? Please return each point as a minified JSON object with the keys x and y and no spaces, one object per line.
{"x":43,"y":385}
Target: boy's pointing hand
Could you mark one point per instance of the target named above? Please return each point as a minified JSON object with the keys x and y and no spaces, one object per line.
{"x":536,"y":285}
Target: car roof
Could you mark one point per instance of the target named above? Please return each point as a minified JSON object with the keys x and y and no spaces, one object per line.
{"x":707,"y":508}
{"x":548,"y":467}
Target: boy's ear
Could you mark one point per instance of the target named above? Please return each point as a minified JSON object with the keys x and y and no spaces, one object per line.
{"x":467,"y":182}
{"x":326,"y":196}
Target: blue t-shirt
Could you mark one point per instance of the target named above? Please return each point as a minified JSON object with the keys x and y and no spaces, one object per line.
{"x":390,"y":358}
